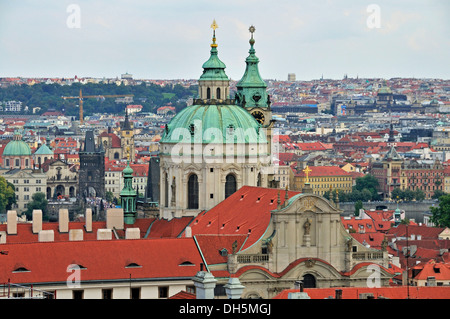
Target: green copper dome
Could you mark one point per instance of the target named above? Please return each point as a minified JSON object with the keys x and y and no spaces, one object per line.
{"x":17,"y":147}
{"x":198,"y":123}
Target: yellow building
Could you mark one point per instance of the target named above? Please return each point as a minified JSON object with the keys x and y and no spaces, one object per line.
{"x":321,"y":179}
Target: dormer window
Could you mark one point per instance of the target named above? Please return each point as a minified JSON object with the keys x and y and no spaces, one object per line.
{"x":21,"y":269}
{"x":133,"y":265}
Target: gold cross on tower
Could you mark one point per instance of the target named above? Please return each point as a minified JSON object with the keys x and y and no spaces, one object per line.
{"x":252,"y":30}
{"x":307,"y":170}
{"x":214,"y":25}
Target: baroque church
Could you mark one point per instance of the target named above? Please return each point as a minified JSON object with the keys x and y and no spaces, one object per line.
{"x":212,"y":148}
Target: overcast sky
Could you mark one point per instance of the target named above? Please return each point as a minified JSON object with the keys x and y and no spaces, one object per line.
{"x":169,"y":39}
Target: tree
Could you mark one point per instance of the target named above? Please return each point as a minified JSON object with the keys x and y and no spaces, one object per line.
{"x":441,"y":213}
{"x":7,"y":195}
{"x":38,"y":202}
{"x":109,"y":196}
{"x":370,"y":182}
{"x":438,"y":193}
{"x":358,"y":206}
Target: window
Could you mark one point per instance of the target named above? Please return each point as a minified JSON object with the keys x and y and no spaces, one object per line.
{"x":78,"y":294}
{"x":208,"y":93}
{"x":163,"y":292}
{"x":193,"y":192}
{"x":218,"y":93}
{"x":136,"y":293}
{"x":107,"y":293}
{"x":17,"y":163}
{"x":230,"y":185}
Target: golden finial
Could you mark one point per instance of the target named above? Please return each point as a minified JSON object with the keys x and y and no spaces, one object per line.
{"x":128,"y":153}
{"x":214,"y":26}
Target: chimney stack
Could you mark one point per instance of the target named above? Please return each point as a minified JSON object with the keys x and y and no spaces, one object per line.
{"x":63,"y":220}
{"x":132,"y":233}
{"x":11,"y":220}
{"x":37,"y":221}
{"x":204,"y":283}
{"x":234,"y":288}
{"x":88,"y":220}
{"x":114,"y":218}
{"x":338,"y":294}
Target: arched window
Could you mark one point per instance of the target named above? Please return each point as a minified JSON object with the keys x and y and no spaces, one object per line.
{"x":218,"y":93}
{"x":17,"y":163}
{"x":193,"y":192}
{"x":309,"y":281}
{"x":116,"y":155}
{"x":258,"y":182}
{"x":7,"y":162}
{"x":208,"y":93}
{"x":230,"y":185}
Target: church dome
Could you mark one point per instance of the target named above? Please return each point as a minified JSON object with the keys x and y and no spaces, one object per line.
{"x":205,"y":120}
{"x":17,"y":147}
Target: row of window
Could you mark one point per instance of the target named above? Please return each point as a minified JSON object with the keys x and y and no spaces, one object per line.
{"x":26,"y":181}
{"x":135,"y":293}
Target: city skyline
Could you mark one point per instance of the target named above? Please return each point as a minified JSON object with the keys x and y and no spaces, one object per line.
{"x":170,"y":39}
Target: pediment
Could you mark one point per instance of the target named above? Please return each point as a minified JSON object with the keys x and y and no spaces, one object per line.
{"x":308,"y":202}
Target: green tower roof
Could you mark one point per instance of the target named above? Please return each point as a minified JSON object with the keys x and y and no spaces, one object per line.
{"x":43,"y":150}
{"x":251,"y":88}
{"x":214,"y":69}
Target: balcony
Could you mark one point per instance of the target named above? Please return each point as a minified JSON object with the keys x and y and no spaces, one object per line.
{"x":366,"y":256}
{"x":252,"y":259}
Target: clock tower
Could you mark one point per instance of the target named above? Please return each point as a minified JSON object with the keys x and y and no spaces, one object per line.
{"x":252,"y":90}
{"x":252,"y":93}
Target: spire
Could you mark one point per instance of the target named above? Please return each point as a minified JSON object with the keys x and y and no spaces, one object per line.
{"x":126,"y":123}
{"x":252,"y":88}
{"x":214,"y":69}
{"x":128,"y":195}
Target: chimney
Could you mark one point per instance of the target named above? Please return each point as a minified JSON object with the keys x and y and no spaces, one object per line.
{"x":11,"y":221}
{"x":338,"y":294}
{"x":234,"y":288}
{"x":298,"y":295}
{"x":204,"y":283}
{"x":88,"y":220}
{"x":37,"y":221}
{"x":188,"y":232}
{"x":132,"y":233}
{"x":63,"y":220}
{"x":46,"y":235}
{"x":75,"y":234}
{"x":104,"y":234}
{"x":114,"y":218}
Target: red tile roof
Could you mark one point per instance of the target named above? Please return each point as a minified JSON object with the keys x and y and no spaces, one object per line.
{"x":387,"y":292}
{"x":246,"y":212}
{"x":324,"y":171}
{"x":101,"y":260}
